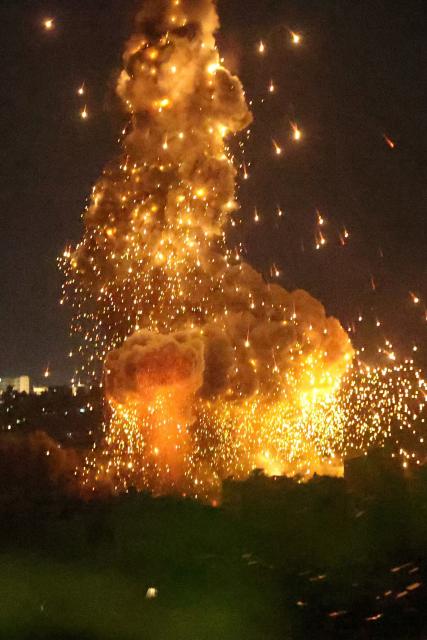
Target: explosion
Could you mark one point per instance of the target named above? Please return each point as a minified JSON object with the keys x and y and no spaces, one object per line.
{"x":208,"y":370}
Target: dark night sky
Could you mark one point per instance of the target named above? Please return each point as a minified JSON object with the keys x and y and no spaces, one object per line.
{"x":360,"y":73}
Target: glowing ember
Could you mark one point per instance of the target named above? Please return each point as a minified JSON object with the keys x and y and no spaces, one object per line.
{"x":277,"y":148}
{"x":296,"y":132}
{"x":49,"y":24}
{"x":389,"y":142}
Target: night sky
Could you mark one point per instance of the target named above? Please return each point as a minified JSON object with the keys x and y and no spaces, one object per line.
{"x":358,"y":74}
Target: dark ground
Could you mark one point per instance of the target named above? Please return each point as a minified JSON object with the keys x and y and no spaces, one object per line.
{"x":326,"y":559}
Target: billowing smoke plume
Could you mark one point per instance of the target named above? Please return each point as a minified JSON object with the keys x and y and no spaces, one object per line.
{"x":148,"y":361}
{"x":196,"y":344}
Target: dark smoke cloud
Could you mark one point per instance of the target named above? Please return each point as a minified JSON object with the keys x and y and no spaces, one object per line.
{"x":147,"y":360}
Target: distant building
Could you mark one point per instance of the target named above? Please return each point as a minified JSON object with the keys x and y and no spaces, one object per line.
{"x":255,"y":489}
{"x":39,"y":391}
{"x":374,"y":472}
{"x":79,"y":388}
{"x":20,"y":384}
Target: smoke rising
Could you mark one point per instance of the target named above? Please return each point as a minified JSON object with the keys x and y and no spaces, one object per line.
{"x":148,"y":361}
{"x":194,"y":340}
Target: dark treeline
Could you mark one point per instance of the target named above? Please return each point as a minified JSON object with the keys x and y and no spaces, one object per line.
{"x":330,"y":558}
